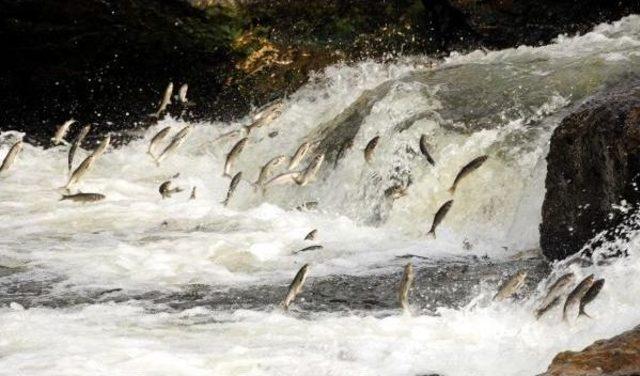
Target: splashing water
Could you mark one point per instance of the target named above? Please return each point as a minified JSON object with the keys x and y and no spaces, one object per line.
{"x":503,"y":104}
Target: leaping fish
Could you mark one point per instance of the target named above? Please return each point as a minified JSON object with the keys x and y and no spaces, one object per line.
{"x":284,"y":178}
{"x":371,"y":146}
{"x":576,"y":295}
{"x":232,"y":188}
{"x":311,"y":171}
{"x":84,"y":197}
{"x":295,"y":287}
{"x":233,"y":155}
{"x":555,"y":291}
{"x":166,"y":191}
{"x":157,"y":139}
{"x":166,"y":100}
{"x":266,"y":116}
{"x":299,"y":155}
{"x":466,"y":170}
{"x":81,"y":170}
{"x":591,"y":294}
{"x":511,"y":286}
{"x":62,"y":131}
{"x":439,"y":216}
{"x":10,"y":158}
{"x":311,"y":235}
{"x":405,"y":286}
{"x":175,"y":143}
{"x":104,"y":144}
{"x":76,"y":144}
{"x":424,"y":148}
{"x":193,"y":194}
{"x":182,"y":94}
{"x":265,"y":171}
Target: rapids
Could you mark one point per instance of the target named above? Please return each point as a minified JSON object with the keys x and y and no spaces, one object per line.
{"x":136,"y":284}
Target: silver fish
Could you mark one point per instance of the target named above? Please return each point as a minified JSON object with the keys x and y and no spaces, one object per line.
{"x":439,"y":216}
{"x":175,"y":143}
{"x":511,"y":286}
{"x":405,"y":286}
{"x":158,"y":138}
{"x":233,"y":155}
{"x":62,"y":131}
{"x":369,"y":149}
{"x":467,"y":169}
{"x":242,"y":132}
{"x":193,"y":194}
{"x":576,"y":295}
{"x":284,"y":178}
{"x":591,"y":294}
{"x":104,"y":144}
{"x":309,"y":248}
{"x":311,"y":235}
{"x":166,"y":191}
{"x":232,"y":187}
{"x":299,"y":155}
{"x":182,"y":93}
{"x":295,"y":287}
{"x":265,"y":171}
{"x":267,"y":115}
{"x":81,"y":170}
{"x":76,"y":144}
{"x":555,"y":291}
{"x":84,"y":197}
{"x":166,"y":100}
{"x":540,"y":312}
{"x":424,"y":148}
{"x":309,"y":174}
{"x":10,"y":158}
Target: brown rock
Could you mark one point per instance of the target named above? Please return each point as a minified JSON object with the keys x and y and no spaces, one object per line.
{"x":619,"y":356}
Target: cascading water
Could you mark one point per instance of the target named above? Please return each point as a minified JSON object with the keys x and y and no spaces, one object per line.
{"x":98,"y":279}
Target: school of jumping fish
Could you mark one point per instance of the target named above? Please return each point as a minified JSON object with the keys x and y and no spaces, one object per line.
{"x":576,"y":300}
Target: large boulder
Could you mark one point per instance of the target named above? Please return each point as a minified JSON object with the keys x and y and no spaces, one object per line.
{"x":593,"y":165}
{"x":619,"y":356}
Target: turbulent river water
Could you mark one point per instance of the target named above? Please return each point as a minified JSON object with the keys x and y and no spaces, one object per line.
{"x":136,"y":284}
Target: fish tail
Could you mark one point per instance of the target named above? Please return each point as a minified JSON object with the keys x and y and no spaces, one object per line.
{"x":583,"y":313}
{"x":452,"y":190}
{"x":432,"y":233}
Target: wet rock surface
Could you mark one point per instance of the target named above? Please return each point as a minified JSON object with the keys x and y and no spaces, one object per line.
{"x":593,"y":165}
{"x":107,"y":62}
{"x":619,"y":356}
{"x":453,"y":284}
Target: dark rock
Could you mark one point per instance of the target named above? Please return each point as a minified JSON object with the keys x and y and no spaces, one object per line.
{"x":619,"y":356}
{"x":593,"y":164}
{"x":108,"y":61}
{"x":507,"y":23}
